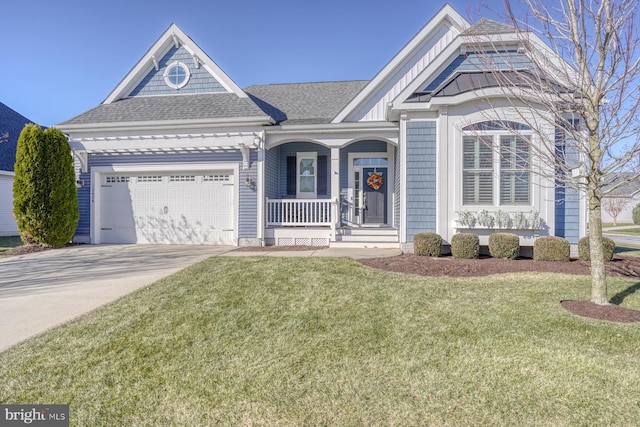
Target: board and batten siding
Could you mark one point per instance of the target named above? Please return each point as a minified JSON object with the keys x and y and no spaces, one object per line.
{"x":420,"y":197}
{"x":374,"y":108}
{"x":247,"y":203}
{"x":199,"y":82}
{"x":8,"y":225}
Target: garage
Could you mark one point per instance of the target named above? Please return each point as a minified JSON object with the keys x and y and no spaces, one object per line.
{"x":168,"y":207}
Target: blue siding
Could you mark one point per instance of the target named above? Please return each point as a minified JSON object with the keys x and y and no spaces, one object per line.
{"x":292,"y":149}
{"x":567,"y":198}
{"x":421,"y":178}
{"x":272,"y":173}
{"x":247,"y":203}
{"x":199,"y":82}
{"x":357,"y":147}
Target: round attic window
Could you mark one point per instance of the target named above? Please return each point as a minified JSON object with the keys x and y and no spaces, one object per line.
{"x":176,"y":75}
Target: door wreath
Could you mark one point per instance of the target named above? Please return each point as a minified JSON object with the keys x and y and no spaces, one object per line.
{"x":375,"y":180}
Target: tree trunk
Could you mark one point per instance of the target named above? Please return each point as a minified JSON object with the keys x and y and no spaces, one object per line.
{"x":598,"y":276}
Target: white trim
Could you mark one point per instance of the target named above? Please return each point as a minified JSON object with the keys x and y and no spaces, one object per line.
{"x":307,"y":155}
{"x":7,"y":173}
{"x":183,"y":83}
{"x":389,"y":178}
{"x":98,"y":171}
{"x":159,"y":49}
{"x":446,"y":13}
{"x":403,"y":180}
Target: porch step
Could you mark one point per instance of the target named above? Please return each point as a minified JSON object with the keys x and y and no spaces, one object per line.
{"x":371,"y":245}
{"x":383,"y":237}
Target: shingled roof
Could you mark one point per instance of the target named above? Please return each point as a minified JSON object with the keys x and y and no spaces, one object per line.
{"x":170,"y":107}
{"x":305,"y":103}
{"x":487,"y":26}
{"x":11,"y":124}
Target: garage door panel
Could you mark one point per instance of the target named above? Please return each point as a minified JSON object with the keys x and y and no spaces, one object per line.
{"x":179,"y":209}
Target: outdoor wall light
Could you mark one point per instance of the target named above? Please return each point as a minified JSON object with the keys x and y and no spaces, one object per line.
{"x":250,"y":183}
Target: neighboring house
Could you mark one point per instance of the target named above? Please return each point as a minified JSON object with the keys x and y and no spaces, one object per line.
{"x":11,"y":124}
{"x":625,"y":197}
{"x":178,"y":153}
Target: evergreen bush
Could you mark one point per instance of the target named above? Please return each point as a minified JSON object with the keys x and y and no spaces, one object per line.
{"x":427,"y":244}
{"x":44,"y":187}
{"x":636,"y":214}
{"x":465,"y":246}
{"x":551,"y":248}
{"x":504,"y":245}
{"x":584,"y":248}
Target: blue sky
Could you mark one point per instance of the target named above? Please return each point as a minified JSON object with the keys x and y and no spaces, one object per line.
{"x":64,"y":57}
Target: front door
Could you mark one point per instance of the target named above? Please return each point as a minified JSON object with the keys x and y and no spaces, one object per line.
{"x":374,"y":195}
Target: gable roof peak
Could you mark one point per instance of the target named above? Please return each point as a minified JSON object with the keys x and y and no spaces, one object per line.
{"x":172,"y":37}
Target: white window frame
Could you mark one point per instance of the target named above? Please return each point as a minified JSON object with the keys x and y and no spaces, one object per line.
{"x":307,"y":194}
{"x":184,"y":82}
{"x":496,"y":136}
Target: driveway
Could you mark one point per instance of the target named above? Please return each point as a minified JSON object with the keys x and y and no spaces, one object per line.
{"x":46,"y":289}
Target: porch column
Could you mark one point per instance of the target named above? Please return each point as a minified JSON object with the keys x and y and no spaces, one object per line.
{"x":335,"y":191}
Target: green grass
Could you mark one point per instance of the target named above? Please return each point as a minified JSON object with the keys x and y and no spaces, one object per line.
{"x":625,"y":231}
{"x":620,"y":224}
{"x":319,"y":341}
{"x":8,"y":242}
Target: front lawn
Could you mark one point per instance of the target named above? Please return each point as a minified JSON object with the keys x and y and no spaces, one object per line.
{"x":630,"y":231}
{"x":319,"y":341}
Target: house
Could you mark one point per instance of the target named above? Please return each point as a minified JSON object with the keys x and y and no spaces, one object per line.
{"x":11,"y":124}
{"x":622,"y":199}
{"x":178,"y":153}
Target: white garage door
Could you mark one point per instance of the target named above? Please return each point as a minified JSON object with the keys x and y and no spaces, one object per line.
{"x":176,"y":208}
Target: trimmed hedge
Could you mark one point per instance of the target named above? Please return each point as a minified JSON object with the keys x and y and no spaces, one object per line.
{"x":465,"y":246}
{"x":427,"y":244}
{"x":584,"y":249}
{"x":636,"y":214}
{"x":551,"y":248}
{"x":504,"y":245}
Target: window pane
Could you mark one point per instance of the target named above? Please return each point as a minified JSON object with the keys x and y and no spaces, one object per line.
{"x":477,"y":180}
{"x":514,"y":174}
{"x":307,"y":184}
{"x":307,"y":167}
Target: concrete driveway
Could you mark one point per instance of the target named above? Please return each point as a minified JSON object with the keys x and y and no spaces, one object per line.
{"x":45,"y":289}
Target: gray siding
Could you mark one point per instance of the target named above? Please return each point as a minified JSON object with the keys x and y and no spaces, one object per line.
{"x":199,"y":82}
{"x":357,"y":147}
{"x":292,"y":149}
{"x":272,"y":173}
{"x":247,"y":203}
{"x":421,"y":178}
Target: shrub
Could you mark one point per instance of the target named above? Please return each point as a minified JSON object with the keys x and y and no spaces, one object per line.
{"x":584,"y":248}
{"x":504,"y":245}
{"x":44,"y":187}
{"x":636,"y":214}
{"x":465,"y":245}
{"x":551,"y":248}
{"x":427,"y":244}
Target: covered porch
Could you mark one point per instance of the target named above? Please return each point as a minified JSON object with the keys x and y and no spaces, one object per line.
{"x":319,"y":195}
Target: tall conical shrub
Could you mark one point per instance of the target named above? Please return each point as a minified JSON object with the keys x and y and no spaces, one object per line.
{"x":45,"y":201}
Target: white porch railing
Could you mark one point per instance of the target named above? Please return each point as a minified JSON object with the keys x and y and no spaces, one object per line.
{"x":298,"y":212}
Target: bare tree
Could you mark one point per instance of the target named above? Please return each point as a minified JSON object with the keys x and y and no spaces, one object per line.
{"x":577,"y":92}
{"x":613,"y":206}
